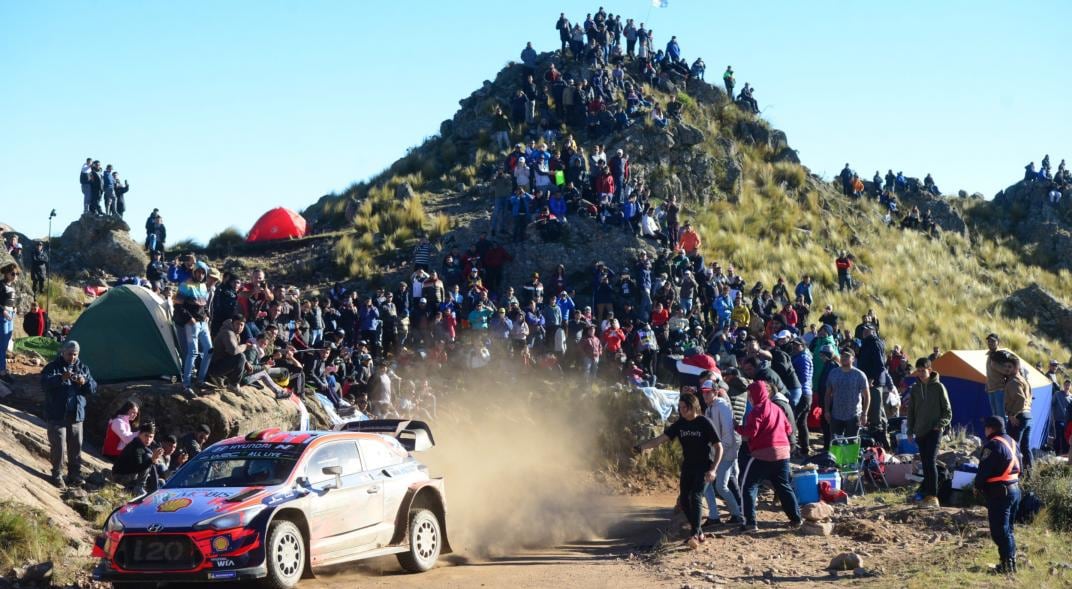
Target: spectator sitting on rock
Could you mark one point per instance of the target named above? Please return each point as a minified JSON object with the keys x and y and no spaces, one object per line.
{"x":36,"y":322}
{"x":228,"y":365}
{"x":171,"y":457}
{"x":120,"y":430}
{"x":134,"y":466}
{"x":192,"y":442}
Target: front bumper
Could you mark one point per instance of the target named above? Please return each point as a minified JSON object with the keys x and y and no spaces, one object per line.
{"x":104,"y":572}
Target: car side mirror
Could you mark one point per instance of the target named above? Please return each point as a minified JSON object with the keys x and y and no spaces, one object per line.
{"x":335,"y":471}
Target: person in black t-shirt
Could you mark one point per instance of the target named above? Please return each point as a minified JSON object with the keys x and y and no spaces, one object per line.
{"x":702,"y":451}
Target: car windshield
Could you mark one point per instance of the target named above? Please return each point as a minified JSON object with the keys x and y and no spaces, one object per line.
{"x":238,"y":465}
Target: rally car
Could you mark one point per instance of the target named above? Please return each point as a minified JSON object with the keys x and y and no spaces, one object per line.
{"x":276,"y":506}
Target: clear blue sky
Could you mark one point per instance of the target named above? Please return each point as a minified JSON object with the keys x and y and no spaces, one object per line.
{"x":218,"y":111}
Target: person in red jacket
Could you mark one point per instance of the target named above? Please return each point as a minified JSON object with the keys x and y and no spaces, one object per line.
{"x":767,"y":431}
{"x":36,"y":322}
{"x":844,"y":271}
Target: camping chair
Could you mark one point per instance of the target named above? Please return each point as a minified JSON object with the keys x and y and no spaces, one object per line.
{"x":846,"y":453}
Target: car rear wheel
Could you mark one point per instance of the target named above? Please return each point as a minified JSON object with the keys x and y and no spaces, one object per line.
{"x":285,"y":555}
{"x":425,"y":541}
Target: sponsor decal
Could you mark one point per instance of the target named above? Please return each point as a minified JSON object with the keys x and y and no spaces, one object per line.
{"x":219,"y":575}
{"x":222,"y":562}
{"x":221,"y":543}
{"x":173,"y":505}
{"x":282,"y":497}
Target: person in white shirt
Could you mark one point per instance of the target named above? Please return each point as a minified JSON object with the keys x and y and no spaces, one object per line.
{"x":720,"y":413}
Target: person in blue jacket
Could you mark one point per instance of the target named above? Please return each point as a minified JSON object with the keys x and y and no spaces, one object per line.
{"x":673,"y":50}
{"x":67,"y":384}
{"x":528,"y":57}
{"x":998,"y":479}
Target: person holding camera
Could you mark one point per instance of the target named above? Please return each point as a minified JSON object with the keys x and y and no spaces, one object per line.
{"x":134,"y":469}
{"x":67,"y":383}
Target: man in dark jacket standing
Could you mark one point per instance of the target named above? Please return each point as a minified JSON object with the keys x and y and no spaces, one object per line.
{"x":67,"y":384}
{"x":998,"y":479}
{"x":39,"y":268}
{"x":929,"y":412}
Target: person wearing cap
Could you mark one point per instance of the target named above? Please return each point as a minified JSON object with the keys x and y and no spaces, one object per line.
{"x":67,"y":385}
{"x":998,"y":479}
{"x":929,"y":412}
{"x":995,"y":379}
{"x":191,"y":320}
{"x":720,"y":413}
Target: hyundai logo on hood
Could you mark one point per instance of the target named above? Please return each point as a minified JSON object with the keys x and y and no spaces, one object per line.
{"x":154,"y":528}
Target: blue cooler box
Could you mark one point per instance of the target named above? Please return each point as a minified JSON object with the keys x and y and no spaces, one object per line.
{"x":906,"y":447}
{"x":834,"y":478}
{"x":806,"y":486}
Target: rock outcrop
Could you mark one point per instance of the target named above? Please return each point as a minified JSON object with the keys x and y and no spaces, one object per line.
{"x":1047,"y":312}
{"x":98,"y":245}
{"x":1025,"y":211}
{"x":228,"y":413}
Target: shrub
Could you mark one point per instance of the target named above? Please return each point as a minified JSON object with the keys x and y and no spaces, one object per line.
{"x":185,"y":246}
{"x":1052,"y":482}
{"x":28,"y":535}
{"x":792,"y":175}
{"x":227,"y":240}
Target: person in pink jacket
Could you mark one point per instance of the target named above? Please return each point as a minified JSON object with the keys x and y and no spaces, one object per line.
{"x":766,"y":430}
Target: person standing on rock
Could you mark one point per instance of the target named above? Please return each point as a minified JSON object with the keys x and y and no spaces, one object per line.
{"x":87,"y":190}
{"x":9,"y":274}
{"x":929,"y":412}
{"x":998,"y":478}
{"x":701,"y":450}
{"x":1017,"y":405}
{"x":191,"y":320}
{"x":96,"y":188}
{"x":108,"y":186}
{"x":995,"y":379}
{"x":67,"y":385}
{"x":39,"y":268}
{"x":727,"y":79}
{"x":844,"y":271}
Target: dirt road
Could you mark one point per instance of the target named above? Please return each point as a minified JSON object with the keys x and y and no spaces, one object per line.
{"x":600,"y":562}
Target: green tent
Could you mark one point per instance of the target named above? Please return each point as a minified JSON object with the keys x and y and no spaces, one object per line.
{"x":127,"y":334}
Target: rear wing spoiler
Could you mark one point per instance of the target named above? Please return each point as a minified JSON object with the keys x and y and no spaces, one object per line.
{"x":415,"y":436}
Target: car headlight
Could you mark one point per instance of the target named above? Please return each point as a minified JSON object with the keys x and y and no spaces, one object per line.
{"x":113,"y":524}
{"x":227,"y":521}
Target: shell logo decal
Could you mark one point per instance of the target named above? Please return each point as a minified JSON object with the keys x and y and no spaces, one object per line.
{"x":173,"y":505}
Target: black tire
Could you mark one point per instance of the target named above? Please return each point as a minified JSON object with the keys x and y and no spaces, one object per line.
{"x":425,"y":541}
{"x":284,"y":555}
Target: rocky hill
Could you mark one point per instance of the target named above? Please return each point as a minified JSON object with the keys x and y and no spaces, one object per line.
{"x":756,"y":206}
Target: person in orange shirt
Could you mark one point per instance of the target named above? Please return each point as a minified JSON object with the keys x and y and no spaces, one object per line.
{"x":690,"y":240}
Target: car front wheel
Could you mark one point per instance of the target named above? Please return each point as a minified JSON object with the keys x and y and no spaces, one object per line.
{"x":285,"y":555}
{"x":425,"y":541}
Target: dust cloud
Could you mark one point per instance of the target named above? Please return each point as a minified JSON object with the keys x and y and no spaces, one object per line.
{"x":518,"y":469}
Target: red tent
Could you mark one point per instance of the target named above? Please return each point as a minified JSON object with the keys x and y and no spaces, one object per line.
{"x":278,"y":223}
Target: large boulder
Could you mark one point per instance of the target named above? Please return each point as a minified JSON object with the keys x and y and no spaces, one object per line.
{"x":228,"y":413}
{"x":98,"y":244}
{"x":687,"y":135}
{"x":1024,"y":210}
{"x":1049,"y":314}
